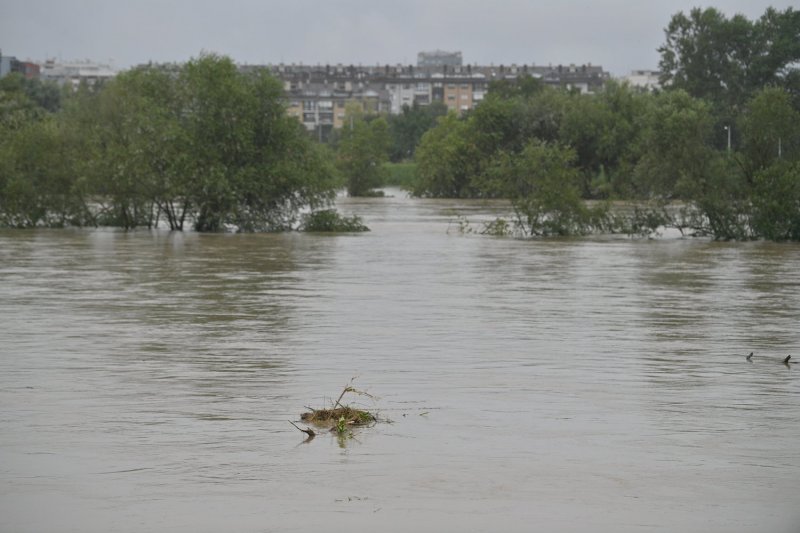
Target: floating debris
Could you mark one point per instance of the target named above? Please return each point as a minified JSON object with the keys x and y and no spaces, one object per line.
{"x":339,"y":418}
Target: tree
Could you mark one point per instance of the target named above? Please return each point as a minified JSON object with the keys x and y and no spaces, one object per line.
{"x":770,"y":129}
{"x":200,"y":141}
{"x":727,"y":60}
{"x":37,"y":177}
{"x":776,"y":202}
{"x":409,"y":126}
{"x":363,"y":150}
{"x":446,"y":160}
{"x":542,"y":183}
{"x":510,"y":116}
{"x":674,"y":146}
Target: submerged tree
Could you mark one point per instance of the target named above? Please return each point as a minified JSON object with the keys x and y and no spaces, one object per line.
{"x":446,"y":160}
{"x":251,"y":166}
{"x":363,"y":150}
{"x":542,"y":183}
{"x":200,"y":142}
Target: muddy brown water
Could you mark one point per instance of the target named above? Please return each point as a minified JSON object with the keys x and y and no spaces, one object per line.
{"x":594,"y":384}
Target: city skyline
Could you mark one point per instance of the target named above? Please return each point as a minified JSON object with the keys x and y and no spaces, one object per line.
{"x":618,"y":35}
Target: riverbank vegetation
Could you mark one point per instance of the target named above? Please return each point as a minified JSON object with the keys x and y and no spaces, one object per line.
{"x":199,"y":143}
{"x":716,"y":152}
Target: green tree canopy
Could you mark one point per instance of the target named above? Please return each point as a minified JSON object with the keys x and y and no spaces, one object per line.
{"x":409,"y":126}
{"x":770,"y":129}
{"x":200,"y":141}
{"x":446,"y":160}
{"x":363,"y":149}
{"x":727,"y":60}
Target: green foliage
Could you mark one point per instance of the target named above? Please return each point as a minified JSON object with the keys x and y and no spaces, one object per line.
{"x":727,"y":60}
{"x":341,"y":425}
{"x":674,"y":146}
{"x":329,"y":220}
{"x":776,"y":202}
{"x":770,"y":129}
{"x":604,"y":130}
{"x":36,"y":177}
{"x":722,"y":200}
{"x":362,"y":152}
{"x":498,"y":227}
{"x":446,"y":160}
{"x":17,"y":106}
{"x":198,"y":142}
{"x":204,"y":144}
{"x":401,"y":174}
{"x":43,"y":95}
{"x":542,"y":183}
{"x":407,"y":128}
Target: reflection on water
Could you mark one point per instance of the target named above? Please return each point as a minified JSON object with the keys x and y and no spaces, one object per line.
{"x":146,"y":380}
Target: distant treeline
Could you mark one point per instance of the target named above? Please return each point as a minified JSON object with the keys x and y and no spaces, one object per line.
{"x":716,"y":152}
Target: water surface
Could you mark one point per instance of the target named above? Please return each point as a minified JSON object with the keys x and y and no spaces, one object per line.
{"x":599,"y":384}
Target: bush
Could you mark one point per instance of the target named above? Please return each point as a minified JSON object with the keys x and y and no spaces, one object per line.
{"x":329,"y":220}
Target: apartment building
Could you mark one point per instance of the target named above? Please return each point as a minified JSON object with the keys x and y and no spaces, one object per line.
{"x":73,"y":73}
{"x":644,"y":79}
{"x":10,"y":64}
{"x":318,"y":95}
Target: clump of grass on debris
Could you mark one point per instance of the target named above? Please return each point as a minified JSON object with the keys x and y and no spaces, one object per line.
{"x":329,"y":417}
{"x":339,"y":418}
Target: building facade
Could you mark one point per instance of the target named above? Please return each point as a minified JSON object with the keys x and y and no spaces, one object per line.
{"x":318,"y":95}
{"x":643,"y":79}
{"x":76,"y":72}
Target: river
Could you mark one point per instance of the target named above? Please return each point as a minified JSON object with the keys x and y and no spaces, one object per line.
{"x":593,"y":384}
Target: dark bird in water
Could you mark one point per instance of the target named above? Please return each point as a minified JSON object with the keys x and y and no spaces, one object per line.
{"x":786,"y":361}
{"x":749,"y":357}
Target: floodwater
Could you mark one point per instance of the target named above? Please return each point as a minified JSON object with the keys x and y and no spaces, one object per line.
{"x":594,"y":384}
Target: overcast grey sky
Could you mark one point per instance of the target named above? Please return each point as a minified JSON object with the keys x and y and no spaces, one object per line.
{"x":620,"y":35}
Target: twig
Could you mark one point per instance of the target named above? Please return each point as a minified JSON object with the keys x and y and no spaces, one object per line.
{"x":347,"y":388}
{"x":308,"y":431}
